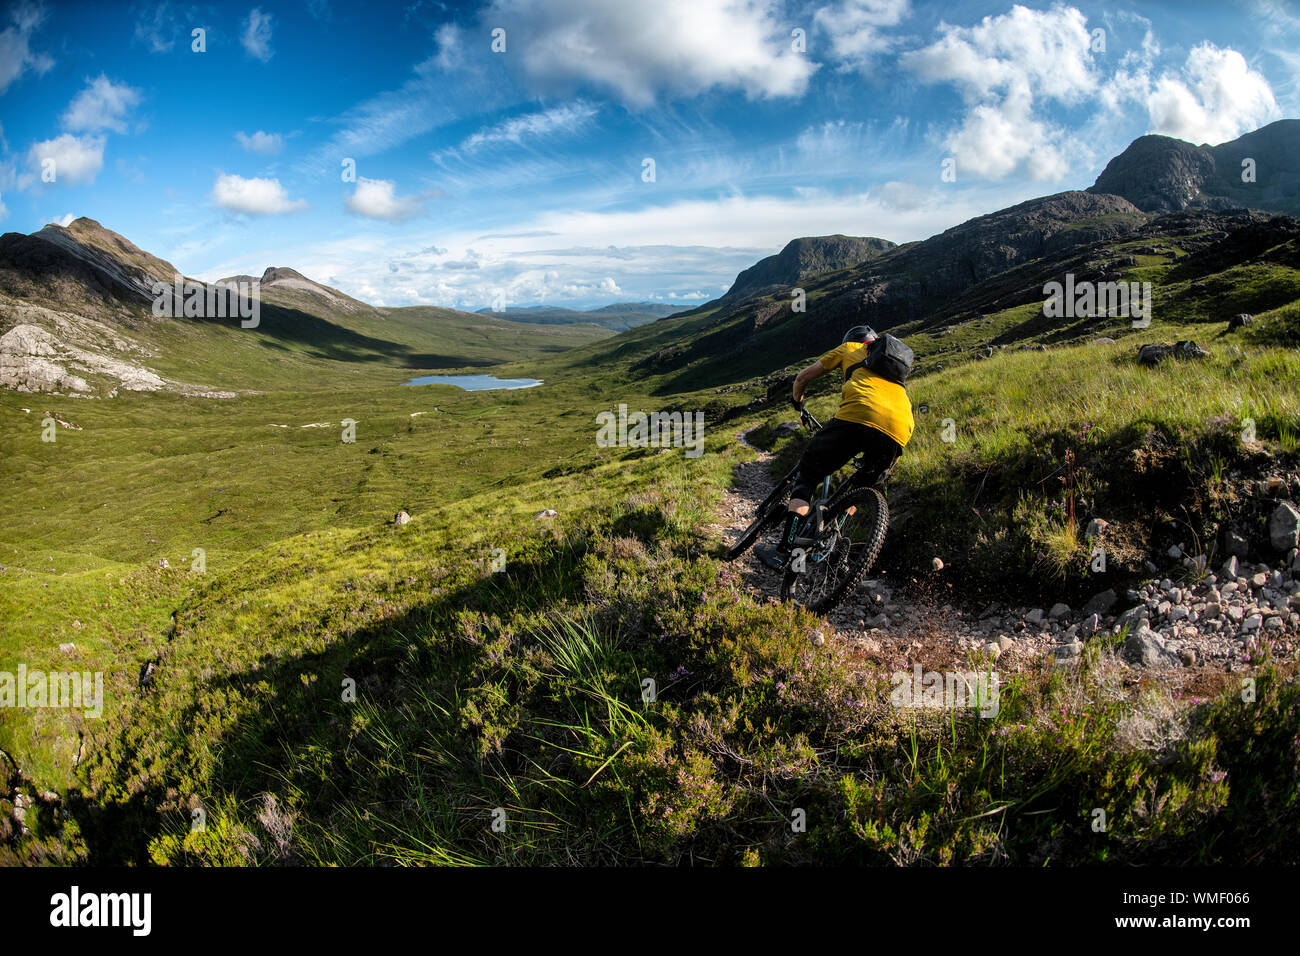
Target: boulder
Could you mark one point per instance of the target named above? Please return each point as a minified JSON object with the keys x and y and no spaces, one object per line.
{"x":401,"y":518}
{"x":785,"y":429}
{"x":1237,"y":321}
{"x":1155,"y":354}
{"x":1284,"y":527}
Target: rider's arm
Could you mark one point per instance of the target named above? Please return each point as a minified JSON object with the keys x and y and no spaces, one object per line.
{"x":815,"y":370}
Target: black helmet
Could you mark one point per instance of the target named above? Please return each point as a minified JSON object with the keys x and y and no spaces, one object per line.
{"x":859,"y":333}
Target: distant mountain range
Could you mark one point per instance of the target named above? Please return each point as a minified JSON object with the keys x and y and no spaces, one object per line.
{"x":981,"y":282}
{"x":75,"y":302}
{"x":77,"y":317}
{"x":619,"y":316}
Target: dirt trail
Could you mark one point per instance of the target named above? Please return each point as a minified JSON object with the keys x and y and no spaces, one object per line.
{"x":901,"y":622}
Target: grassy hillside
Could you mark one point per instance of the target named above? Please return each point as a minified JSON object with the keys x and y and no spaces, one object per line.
{"x":521,"y":689}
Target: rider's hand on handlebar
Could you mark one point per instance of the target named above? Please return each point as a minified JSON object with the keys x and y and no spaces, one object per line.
{"x":797,"y":403}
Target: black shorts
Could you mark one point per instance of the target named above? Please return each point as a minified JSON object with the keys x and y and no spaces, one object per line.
{"x":834,"y":446}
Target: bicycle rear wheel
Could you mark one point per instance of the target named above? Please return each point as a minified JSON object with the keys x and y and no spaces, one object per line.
{"x":854,"y":532}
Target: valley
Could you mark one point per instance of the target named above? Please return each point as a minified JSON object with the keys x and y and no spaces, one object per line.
{"x":333,"y":685}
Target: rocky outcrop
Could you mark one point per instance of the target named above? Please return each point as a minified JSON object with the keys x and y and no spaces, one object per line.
{"x":1161,"y":174}
{"x":34,"y":360}
{"x":801,"y":259}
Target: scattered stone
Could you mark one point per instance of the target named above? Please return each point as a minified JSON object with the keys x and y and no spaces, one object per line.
{"x":1035,"y":616}
{"x":937,"y":564}
{"x":1103,"y":340}
{"x":1058,"y":611}
{"x":401,"y":518}
{"x":1230,"y":568}
{"x":1101,"y":602}
{"x":1147,"y":648}
{"x":548,"y":513}
{"x":1005,"y":643}
{"x":1236,"y":543}
{"x":785,"y":429}
{"x":162,"y":563}
{"x":1237,"y":321}
{"x":68,"y":647}
{"x":1096,"y":528}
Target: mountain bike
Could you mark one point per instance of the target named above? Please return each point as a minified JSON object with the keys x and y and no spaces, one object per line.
{"x":838,"y":540}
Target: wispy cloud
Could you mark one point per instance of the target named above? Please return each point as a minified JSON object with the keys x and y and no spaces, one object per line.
{"x":560,"y":120}
{"x":16,"y":54}
{"x":256,"y":38}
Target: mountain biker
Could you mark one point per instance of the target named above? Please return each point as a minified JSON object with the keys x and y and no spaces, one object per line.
{"x":874,"y":417}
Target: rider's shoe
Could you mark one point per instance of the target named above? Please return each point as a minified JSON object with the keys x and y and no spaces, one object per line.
{"x":777,"y":556}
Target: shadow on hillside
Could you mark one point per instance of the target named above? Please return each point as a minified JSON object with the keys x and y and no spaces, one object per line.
{"x":304,"y":710}
{"x":324,"y":339}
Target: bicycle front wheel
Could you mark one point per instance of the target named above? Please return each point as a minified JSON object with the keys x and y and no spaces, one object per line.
{"x":853,"y":534}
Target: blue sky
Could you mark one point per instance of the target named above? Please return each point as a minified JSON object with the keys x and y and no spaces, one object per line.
{"x":520,"y":175}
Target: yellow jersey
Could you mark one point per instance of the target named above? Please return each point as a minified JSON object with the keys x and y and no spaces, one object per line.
{"x":868,"y":399}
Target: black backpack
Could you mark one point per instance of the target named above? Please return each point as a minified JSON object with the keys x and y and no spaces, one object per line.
{"x":888,"y":357}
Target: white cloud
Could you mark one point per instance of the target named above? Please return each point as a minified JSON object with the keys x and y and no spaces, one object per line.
{"x":77,"y":160}
{"x":561,"y":119}
{"x":902,"y":197}
{"x":255,"y":197}
{"x":263,"y":144}
{"x":1217,"y":98}
{"x":376,"y":199}
{"x":854,"y":27}
{"x":16,"y":54}
{"x":256,"y":37}
{"x":103,"y":104}
{"x":639,"y":50}
{"x":65,"y":220}
{"x":1004,"y":67}
{"x":4,"y":210}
